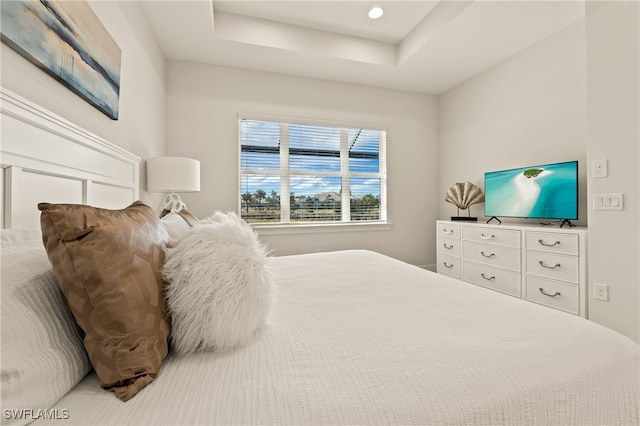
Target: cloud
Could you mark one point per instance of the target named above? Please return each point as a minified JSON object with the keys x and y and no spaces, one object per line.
{"x":362,"y":186}
{"x":312,"y":185}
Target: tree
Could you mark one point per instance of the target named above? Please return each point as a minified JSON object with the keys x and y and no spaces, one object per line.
{"x":260,"y":195}
{"x":308,"y":203}
{"x":370,"y":200}
{"x":246,"y":198}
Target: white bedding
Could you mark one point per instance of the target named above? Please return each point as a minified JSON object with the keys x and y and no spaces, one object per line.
{"x":359,"y":338}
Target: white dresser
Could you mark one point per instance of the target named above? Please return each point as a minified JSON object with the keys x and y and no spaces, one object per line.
{"x":541,"y":264}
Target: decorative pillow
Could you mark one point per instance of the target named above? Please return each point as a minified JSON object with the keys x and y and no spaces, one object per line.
{"x":42,"y":353}
{"x":188,"y":217}
{"x":218,"y":285}
{"x":108,"y":264}
{"x":176,"y":226}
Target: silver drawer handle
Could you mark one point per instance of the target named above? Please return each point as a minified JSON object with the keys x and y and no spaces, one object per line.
{"x":487,"y":237}
{"x":446,"y":265}
{"x":547,"y":294}
{"x":487,"y":255}
{"x":492,"y":277}
{"x":541,"y":263}
{"x":447,"y":231}
{"x":548,"y":245}
{"x":448,"y":247}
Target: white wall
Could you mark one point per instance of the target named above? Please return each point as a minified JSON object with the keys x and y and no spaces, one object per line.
{"x":613,"y":99}
{"x":203,"y":103}
{"x":527,"y":110}
{"x":140,"y":127}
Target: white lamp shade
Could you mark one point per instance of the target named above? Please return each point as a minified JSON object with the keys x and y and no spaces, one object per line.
{"x":173,"y":174}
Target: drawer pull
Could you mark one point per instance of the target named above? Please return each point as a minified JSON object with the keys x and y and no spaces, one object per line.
{"x":492,"y":277}
{"x":487,"y":237}
{"x":547,"y":244}
{"x":548,"y":294}
{"x":446,"y":265}
{"x":448,"y":247}
{"x":487,"y":255}
{"x":447,"y":231}
{"x":541,"y":263}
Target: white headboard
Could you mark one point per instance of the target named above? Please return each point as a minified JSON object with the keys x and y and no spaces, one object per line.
{"x":45,"y":158}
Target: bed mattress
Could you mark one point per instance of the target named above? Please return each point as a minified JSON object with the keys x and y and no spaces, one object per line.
{"x":355,"y":337}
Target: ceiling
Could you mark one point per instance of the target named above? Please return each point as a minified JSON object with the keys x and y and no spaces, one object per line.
{"x":420,"y":46}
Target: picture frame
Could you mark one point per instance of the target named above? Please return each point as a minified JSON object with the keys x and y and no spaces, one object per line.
{"x":67,"y":41}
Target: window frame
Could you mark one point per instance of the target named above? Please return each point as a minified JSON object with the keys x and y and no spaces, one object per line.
{"x":285,"y":174}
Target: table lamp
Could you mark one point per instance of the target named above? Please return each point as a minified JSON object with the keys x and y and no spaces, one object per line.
{"x":171,"y":175}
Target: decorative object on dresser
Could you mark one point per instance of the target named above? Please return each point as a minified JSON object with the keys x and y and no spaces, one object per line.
{"x":464,"y":195}
{"x":171,"y":175}
{"x":540,"y":265}
{"x":67,"y":41}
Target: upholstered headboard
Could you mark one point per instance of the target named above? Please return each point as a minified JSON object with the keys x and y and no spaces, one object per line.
{"x":45,"y":158}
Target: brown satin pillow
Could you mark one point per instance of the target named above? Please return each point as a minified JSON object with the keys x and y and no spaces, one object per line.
{"x":108,"y":264}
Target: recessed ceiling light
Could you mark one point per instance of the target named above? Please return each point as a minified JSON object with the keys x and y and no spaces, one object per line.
{"x":375,"y":12}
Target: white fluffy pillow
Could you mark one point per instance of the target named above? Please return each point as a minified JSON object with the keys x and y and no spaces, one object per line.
{"x":219,"y":287}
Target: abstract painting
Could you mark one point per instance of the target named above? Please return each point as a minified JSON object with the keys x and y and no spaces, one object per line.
{"x":67,"y":40}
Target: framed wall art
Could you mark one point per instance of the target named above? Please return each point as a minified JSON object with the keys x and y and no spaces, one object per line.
{"x":67,"y":40}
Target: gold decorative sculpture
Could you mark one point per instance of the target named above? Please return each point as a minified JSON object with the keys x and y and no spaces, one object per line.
{"x":463,"y":195}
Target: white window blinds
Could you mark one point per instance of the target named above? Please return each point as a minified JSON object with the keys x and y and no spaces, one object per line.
{"x":296,"y":173}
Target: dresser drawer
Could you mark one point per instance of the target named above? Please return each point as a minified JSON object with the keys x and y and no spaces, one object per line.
{"x":555,"y":266}
{"x":493,"y":278}
{"x":504,"y":257}
{"x":557,"y":295}
{"x":449,"y":246}
{"x":448,"y":265}
{"x":504,"y":237}
{"x":553,"y":243}
{"x":448,"y":230}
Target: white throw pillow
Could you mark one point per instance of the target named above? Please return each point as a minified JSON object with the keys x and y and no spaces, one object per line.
{"x":219,"y":287}
{"x":42,"y":352}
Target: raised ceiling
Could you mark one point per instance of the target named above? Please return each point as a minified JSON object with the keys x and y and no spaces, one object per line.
{"x":421,"y":46}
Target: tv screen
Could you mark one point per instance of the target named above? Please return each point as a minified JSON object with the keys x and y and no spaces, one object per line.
{"x":548,"y":191}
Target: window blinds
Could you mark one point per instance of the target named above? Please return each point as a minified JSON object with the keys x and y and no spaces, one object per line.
{"x":291,"y":172}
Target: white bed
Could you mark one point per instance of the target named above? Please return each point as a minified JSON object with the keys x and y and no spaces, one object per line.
{"x":355,"y":337}
{"x":359,"y":338}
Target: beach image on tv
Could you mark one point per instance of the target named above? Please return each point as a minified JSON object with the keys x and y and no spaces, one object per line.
{"x":548,"y":191}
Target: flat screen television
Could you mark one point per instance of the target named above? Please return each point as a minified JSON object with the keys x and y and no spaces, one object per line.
{"x":548,"y":191}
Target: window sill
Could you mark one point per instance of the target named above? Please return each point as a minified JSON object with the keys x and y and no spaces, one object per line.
{"x":318,"y":228}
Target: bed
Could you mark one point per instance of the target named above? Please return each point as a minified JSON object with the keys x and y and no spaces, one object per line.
{"x":354,"y":337}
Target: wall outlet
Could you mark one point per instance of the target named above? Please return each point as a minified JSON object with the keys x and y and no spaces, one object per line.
{"x":601,"y":292}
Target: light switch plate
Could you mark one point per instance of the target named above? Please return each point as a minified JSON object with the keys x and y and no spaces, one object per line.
{"x":608,"y":201}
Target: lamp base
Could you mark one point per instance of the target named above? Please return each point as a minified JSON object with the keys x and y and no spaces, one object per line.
{"x":170,"y":203}
{"x":464,"y":218}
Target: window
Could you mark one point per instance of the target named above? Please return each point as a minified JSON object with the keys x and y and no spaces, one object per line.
{"x":307,"y":173}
